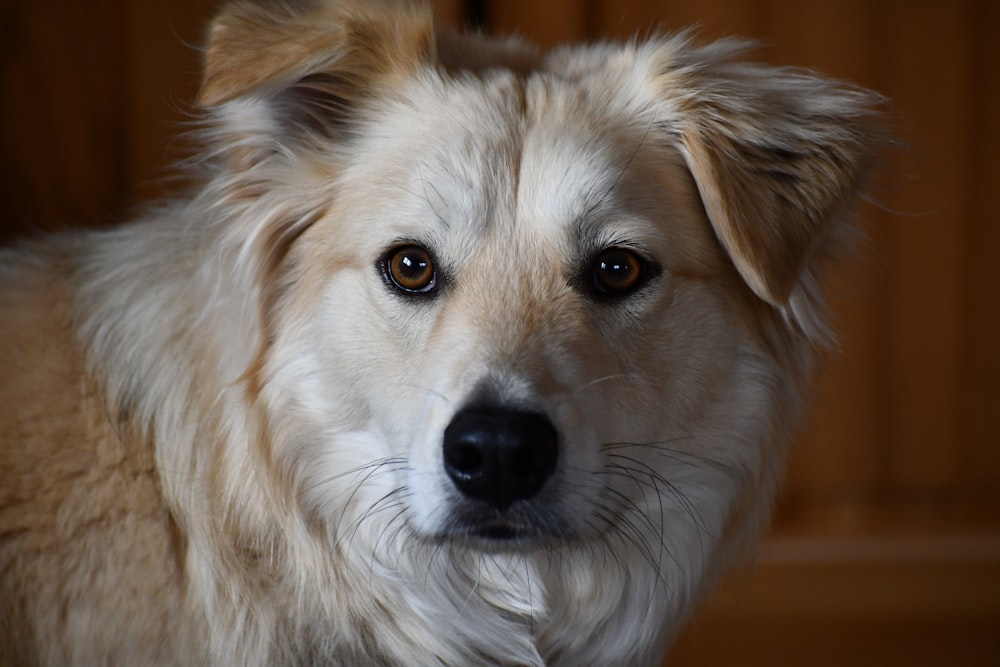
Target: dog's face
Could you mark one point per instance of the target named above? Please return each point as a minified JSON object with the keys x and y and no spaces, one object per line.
{"x":534,"y":300}
{"x":521,"y":301}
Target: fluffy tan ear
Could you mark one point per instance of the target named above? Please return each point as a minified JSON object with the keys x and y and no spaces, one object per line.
{"x":311,"y":58}
{"x":778,"y":155}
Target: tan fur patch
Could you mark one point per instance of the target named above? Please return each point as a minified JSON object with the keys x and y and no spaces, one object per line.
{"x":253,"y":47}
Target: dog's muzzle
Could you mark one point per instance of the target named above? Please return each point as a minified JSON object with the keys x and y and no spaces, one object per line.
{"x":499,"y":456}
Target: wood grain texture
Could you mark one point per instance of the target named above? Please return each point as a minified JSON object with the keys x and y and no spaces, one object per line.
{"x":874,"y":600}
{"x":63,"y":92}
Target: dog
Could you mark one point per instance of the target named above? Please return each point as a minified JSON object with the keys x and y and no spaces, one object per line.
{"x":458,"y":353}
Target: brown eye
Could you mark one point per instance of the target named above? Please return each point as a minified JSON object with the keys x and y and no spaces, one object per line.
{"x":410,"y":269}
{"x":619,"y":272}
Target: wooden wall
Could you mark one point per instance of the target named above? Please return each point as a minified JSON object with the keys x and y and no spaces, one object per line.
{"x":886,"y":547}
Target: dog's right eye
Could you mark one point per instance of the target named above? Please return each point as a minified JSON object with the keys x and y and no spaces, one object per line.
{"x":410,"y":269}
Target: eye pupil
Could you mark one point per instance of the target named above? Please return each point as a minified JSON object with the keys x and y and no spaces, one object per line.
{"x":618,"y":271}
{"x":410,"y":269}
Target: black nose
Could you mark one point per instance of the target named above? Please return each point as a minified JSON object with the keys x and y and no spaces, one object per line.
{"x":500,"y":456}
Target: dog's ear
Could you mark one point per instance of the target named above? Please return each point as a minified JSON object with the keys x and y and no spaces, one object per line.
{"x":778,"y":157}
{"x":307,"y":65}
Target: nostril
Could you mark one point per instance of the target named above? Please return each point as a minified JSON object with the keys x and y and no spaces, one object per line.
{"x":465,"y":460}
{"x":500,"y":456}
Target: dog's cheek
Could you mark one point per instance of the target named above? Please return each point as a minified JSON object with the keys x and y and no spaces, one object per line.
{"x":333,"y":363}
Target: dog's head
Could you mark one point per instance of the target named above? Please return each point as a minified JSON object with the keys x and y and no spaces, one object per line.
{"x":515,"y":300}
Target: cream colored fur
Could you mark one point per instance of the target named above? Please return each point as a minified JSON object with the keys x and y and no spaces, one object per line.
{"x":221,"y":428}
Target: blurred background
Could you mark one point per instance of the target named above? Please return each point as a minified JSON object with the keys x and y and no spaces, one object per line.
{"x":885,"y":548}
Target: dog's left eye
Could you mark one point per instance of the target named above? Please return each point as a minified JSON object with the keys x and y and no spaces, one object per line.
{"x":618,"y":272}
{"x":410,"y":269}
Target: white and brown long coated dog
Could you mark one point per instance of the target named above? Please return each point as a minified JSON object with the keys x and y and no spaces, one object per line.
{"x":460,"y":354}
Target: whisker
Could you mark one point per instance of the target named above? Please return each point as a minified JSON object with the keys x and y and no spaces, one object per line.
{"x":371,"y":468}
{"x":655,"y":476}
{"x":665,"y":449}
{"x":605,"y":378}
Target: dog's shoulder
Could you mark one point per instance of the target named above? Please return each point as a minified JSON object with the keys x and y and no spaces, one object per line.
{"x":72,"y":476}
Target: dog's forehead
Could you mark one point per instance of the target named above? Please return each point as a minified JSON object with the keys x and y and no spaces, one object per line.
{"x":539,"y":159}
{"x":577,"y":162}
{"x":534,"y":150}
{"x":562,"y":159}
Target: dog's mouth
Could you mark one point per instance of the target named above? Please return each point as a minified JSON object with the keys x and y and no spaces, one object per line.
{"x":499,"y":532}
{"x":498,"y":536}
{"x":518,"y":528}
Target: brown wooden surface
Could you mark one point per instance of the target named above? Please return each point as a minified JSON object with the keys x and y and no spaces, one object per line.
{"x":885,"y":547}
{"x":857,"y":602}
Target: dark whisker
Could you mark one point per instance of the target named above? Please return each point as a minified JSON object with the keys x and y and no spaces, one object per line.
{"x":646,"y":469}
